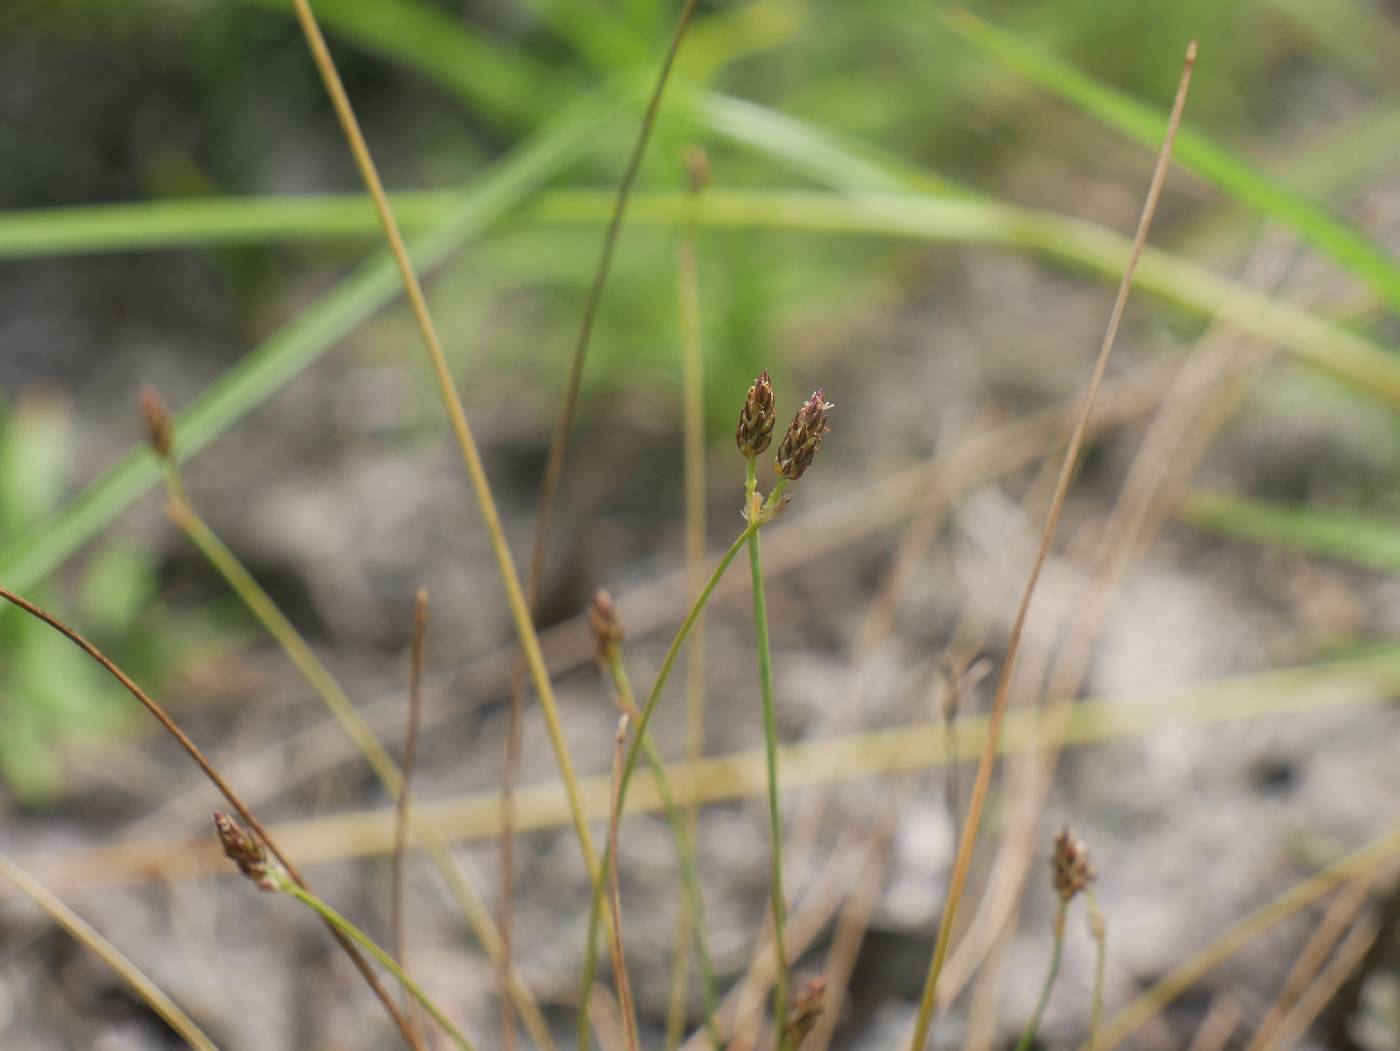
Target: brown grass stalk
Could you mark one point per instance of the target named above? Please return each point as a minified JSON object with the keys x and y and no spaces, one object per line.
{"x":549,"y":487}
{"x":626,"y":1005}
{"x":410,"y":755}
{"x":226,"y":790}
{"x":963,"y":860}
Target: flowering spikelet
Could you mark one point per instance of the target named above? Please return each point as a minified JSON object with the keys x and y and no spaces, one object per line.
{"x":697,"y":168}
{"x":244,"y":851}
{"x":755,"y":428}
{"x":602,"y":618}
{"x":1071,"y":871}
{"x":803,"y":437}
{"x":806,"y":1009}
{"x":159,"y":430}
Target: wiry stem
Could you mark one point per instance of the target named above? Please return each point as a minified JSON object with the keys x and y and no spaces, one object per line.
{"x":626,"y":1005}
{"x":1098,"y":930}
{"x":778,"y":900}
{"x":83,"y":932}
{"x":345,"y":927}
{"x":1056,"y":951}
{"x":693,"y":413}
{"x":554,"y":469}
{"x":225,"y":789}
{"x":590,"y":958}
{"x":685,"y":849}
{"x":410,"y":754}
{"x":962,"y":861}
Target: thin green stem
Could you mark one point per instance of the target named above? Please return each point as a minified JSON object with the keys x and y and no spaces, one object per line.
{"x":275,"y":622}
{"x":84,"y":933}
{"x":685,"y":851}
{"x":595,"y":913}
{"x":775,"y":820}
{"x":1056,"y":951}
{"x":358,"y":936}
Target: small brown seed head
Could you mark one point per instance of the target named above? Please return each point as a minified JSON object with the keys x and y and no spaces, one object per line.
{"x":1071,"y":870}
{"x":160,"y":432}
{"x":602,"y":618}
{"x":756,"y":419}
{"x":244,"y":851}
{"x":804,"y":437}
{"x":805,"y":1011}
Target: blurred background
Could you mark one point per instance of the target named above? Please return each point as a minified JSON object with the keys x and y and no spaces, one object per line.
{"x":924,"y":210}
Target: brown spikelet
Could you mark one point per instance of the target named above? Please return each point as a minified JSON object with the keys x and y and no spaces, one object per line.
{"x":1071,"y":870}
{"x":805,"y":1011}
{"x":244,"y":851}
{"x":755,"y":428}
{"x":804,"y":437}
{"x":160,"y":432}
{"x":602,"y":618}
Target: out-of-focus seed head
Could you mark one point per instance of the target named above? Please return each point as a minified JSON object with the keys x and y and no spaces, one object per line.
{"x":1071,"y":870}
{"x":697,"y":168}
{"x":805,"y":1011}
{"x":804,"y":437}
{"x":160,"y":432}
{"x":244,"y":851}
{"x":602,"y":618}
{"x":756,"y":419}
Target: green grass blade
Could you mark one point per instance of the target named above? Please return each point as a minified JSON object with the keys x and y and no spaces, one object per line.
{"x":1337,"y":535}
{"x":297,"y":345}
{"x":1194,"y":152}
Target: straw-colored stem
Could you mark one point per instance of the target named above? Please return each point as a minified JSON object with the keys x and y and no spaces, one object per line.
{"x":89,"y":938}
{"x":686,"y":857}
{"x":777,"y":897}
{"x":471,"y":456}
{"x":410,"y":754}
{"x":554,"y":469}
{"x":693,"y":469}
{"x":962,"y":861}
{"x":261,"y":605}
{"x":595,"y":913}
{"x":225,"y":789}
{"x":1098,"y":930}
{"x":362,"y":939}
{"x":626,"y":1006}
{"x":1057,"y":948}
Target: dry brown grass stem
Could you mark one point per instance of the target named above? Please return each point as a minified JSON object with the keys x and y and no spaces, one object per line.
{"x":1200,"y":399}
{"x":1347,"y":960}
{"x":962,"y":862}
{"x":1338,"y":918}
{"x":410,"y":754}
{"x":549,"y":487}
{"x":626,"y":1006}
{"x":225,"y":789}
{"x":1219,"y":1024}
{"x":86,"y":935}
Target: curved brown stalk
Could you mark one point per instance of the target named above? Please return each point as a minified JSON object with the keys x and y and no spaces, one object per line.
{"x":554,"y":469}
{"x":962,"y":862}
{"x":225,"y":790}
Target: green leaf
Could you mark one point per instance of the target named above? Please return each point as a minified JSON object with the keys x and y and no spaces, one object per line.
{"x":1338,"y":535}
{"x":1193,"y":151}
